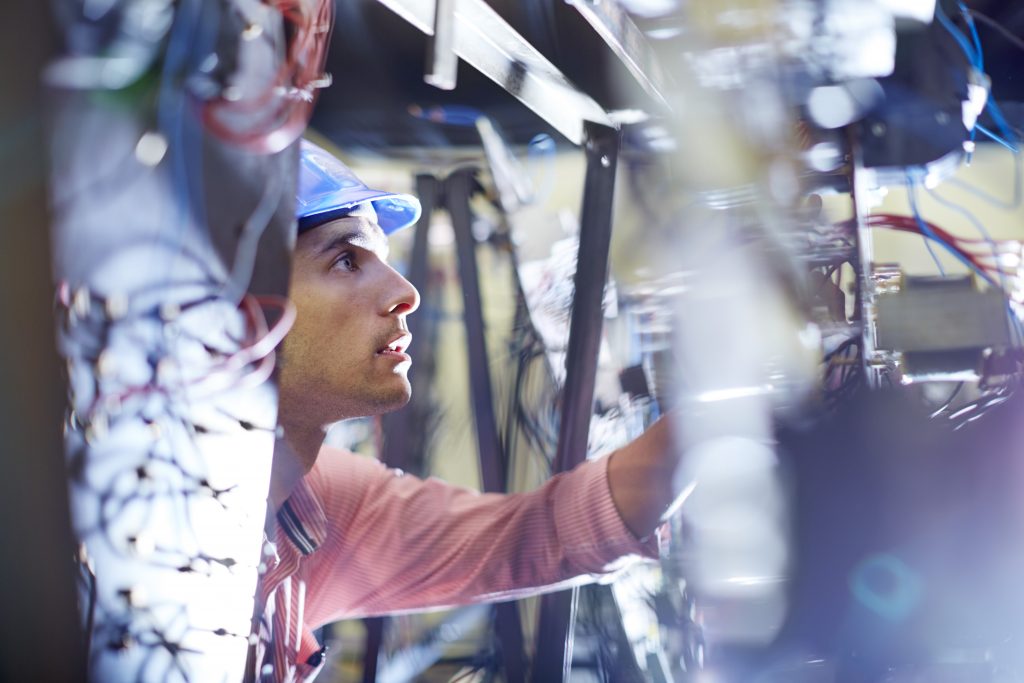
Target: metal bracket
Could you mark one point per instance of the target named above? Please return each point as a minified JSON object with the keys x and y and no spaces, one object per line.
{"x":442,"y":62}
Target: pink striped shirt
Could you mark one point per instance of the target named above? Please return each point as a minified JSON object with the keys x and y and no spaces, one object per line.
{"x":356,"y":539}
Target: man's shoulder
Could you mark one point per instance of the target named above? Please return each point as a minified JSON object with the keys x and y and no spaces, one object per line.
{"x":340,"y":479}
{"x":335,"y":464}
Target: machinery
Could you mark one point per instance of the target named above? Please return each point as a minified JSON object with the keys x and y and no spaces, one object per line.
{"x":848,"y":417}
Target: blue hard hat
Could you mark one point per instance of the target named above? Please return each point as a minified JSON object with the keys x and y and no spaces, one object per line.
{"x":328,"y":189}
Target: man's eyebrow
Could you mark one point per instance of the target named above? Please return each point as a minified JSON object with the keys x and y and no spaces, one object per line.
{"x":354,"y":238}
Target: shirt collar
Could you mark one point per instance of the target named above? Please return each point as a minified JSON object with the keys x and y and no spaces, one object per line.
{"x":303,"y":520}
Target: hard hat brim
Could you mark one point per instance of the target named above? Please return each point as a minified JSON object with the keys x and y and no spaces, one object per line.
{"x":394,"y":211}
{"x":327,"y":189}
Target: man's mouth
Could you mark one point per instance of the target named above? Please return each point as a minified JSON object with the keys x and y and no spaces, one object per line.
{"x":396,"y":346}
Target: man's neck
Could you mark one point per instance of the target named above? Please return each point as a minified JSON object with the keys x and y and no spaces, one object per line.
{"x":295,"y":453}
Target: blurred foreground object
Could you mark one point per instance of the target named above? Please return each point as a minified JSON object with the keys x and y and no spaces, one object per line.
{"x":173,"y":186}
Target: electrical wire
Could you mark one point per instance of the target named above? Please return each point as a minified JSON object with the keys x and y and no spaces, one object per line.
{"x":948,"y":402}
{"x":258,"y":348}
{"x":842,"y":372}
{"x":448,"y":114}
{"x":993,"y":24}
{"x":925,"y":231}
{"x":960,"y":246}
{"x":248,"y":243}
{"x":282,"y":110}
{"x":996,"y":112}
{"x":1000,"y":272}
{"x":974,"y":34}
{"x":992,"y":136}
{"x":994,"y":274}
{"x":978,"y":408}
{"x":973,"y":57}
{"x":1018,"y":186}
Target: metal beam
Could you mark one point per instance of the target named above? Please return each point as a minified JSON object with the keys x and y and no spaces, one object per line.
{"x":602,"y":149}
{"x":486,"y":41}
{"x":442,"y":62}
{"x":614,"y":25}
{"x":558,"y":610}
{"x":460,"y":187}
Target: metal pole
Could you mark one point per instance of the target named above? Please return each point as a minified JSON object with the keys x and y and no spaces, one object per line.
{"x":558,"y":610}
{"x":40,"y":636}
{"x":374,"y":639}
{"x":460,"y":187}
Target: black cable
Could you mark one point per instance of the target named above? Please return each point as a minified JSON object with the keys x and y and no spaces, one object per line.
{"x":1014,"y":39}
{"x":949,"y":401}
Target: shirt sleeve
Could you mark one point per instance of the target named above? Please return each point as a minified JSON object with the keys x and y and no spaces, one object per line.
{"x":398,"y":543}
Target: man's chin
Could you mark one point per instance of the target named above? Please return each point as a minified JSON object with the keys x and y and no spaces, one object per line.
{"x":401,"y":402}
{"x":393,"y":402}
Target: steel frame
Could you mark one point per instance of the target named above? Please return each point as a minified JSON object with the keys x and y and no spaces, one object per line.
{"x":558,"y":610}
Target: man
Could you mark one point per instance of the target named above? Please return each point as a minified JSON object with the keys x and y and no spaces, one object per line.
{"x":352,"y":538}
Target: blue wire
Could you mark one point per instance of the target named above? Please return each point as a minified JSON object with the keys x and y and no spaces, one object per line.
{"x":171,"y":111}
{"x":960,"y":38}
{"x":926,"y":232}
{"x":977,"y":58}
{"x":996,"y":138}
{"x":997,"y":115}
{"x":1018,"y":325}
{"x":974,"y":34}
{"x":450,"y":114}
{"x":191,"y":39}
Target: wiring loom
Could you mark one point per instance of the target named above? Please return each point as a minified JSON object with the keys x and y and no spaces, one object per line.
{"x":169,"y":474}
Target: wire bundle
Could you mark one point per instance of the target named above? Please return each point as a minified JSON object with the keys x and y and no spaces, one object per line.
{"x":140,"y":409}
{"x":282,"y":110}
{"x":227,"y":370}
{"x":990,"y":259}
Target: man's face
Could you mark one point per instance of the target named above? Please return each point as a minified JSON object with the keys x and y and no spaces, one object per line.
{"x":345,"y":356}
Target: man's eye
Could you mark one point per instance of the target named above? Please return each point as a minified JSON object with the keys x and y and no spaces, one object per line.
{"x":346,"y":261}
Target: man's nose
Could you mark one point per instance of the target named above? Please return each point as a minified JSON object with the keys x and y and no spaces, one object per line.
{"x":406,"y":298}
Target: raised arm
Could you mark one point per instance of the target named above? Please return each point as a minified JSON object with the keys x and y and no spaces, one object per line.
{"x":399,"y":543}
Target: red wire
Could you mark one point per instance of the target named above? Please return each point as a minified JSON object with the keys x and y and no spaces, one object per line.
{"x":302,"y":68}
{"x":909,"y":224}
{"x":258,"y":347}
{"x":961,"y":244}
